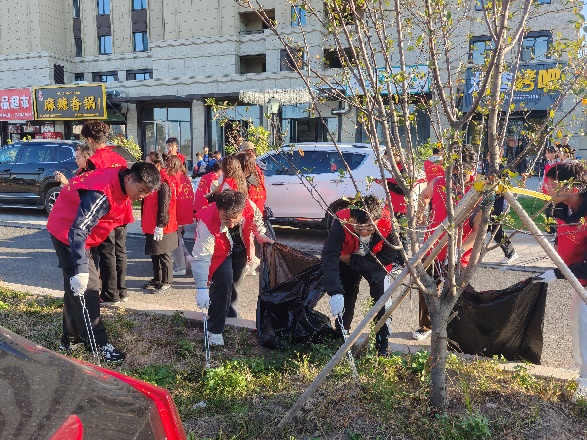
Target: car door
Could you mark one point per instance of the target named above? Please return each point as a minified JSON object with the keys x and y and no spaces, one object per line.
{"x":8,"y":157}
{"x":278,"y":176}
{"x":35,"y":162}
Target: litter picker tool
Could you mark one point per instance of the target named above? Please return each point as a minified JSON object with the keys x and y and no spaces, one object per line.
{"x":349,"y":354}
{"x":89,"y":329}
{"x":206,"y":340}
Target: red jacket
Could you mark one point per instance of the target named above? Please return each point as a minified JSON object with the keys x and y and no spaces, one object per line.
{"x":203,"y":188}
{"x":572,"y":243}
{"x":351,"y":242}
{"x":66,"y":206}
{"x":433,"y":170}
{"x":258,"y":194}
{"x":151,"y":208}
{"x":185,"y":199}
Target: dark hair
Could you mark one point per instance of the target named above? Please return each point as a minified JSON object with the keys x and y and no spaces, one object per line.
{"x":97,"y":130}
{"x":84,"y":150}
{"x":145,"y":172}
{"x":216,"y":166}
{"x":435,"y":150}
{"x":551,"y":149}
{"x":468,"y":157}
{"x":156,"y":158}
{"x":216,"y":152}
{"x":248,"y":163}
{"x":231,"y":167}
{"x":370,"y":208}
{"x":172,"y":141}
{"x":173,"y":165}
{"x":233,"y":202}
{"x":572,"y":171}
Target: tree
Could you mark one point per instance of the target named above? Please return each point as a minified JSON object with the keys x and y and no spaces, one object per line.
{"x":397,"y":63}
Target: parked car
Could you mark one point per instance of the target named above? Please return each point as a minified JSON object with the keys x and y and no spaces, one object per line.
{"x":27,"y":171}
{"x":305,"y":179}
{"x":47,"y":395}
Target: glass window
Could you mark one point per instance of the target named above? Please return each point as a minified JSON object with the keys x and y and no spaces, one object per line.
{"x":160,"y":113}
{"x":75,"y":8}
{"x":139,"y":75}
{"x":139,"y":4}
{"x":178,"y":114}
{"x":535,"y":46}
{"x":65,"y":153}
{"x":298,"y":16}
{"x":8,"y":154}
{"x":103,"y":7}
{"x":480,"y":4}
{"x":79,"y":77}
{"x":104,"y":76}
{"x":105,"y":42}
{"x":480,"y":49}
{"x":78,"y":47}
{"x":140,"y":42}
{"x":278,"y":164}
{"x":36,"y":153}
{"x":289,"y":60}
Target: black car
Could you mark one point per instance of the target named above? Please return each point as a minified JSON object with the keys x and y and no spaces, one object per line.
{"x":27,"y":171}
{"x":49,"y":396}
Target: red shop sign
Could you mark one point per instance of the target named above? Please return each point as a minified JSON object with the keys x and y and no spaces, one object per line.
{"x":16,"y":105}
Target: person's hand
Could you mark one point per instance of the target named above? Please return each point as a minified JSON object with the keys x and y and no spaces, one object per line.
{"x":203,"y":298}
{"x":79,"y":283}
{"x":547,"y":277}
{"x":263,"y":239}
{"x":345,"y":258}
{"x":158,"y":235}
{"x":337,"y":304}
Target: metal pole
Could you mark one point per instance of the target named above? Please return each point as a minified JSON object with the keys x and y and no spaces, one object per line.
{"x":545,"y":244}
{"x":462,"y":210}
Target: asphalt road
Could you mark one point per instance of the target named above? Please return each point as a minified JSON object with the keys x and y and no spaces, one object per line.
{"x":27,"y":258}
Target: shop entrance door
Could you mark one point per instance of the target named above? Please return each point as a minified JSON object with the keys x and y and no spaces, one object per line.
{"x":160,"y":124}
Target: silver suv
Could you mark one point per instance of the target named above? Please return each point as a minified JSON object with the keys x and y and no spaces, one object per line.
{"x":305,"y":180}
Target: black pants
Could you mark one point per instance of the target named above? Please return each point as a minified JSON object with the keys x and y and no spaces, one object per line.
{"x":350,"y":280}
{"x":74,"y":320}
{"x":500,"y":237}
{"x":224,"y":291}
{"x":113,"y":264}
{"x":162,"y":268}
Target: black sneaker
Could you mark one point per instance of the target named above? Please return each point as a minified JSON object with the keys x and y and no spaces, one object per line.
{"x":382,"y":346}
{"x":151,"y":285}
{"x":69,"y":347}
{"x":111,"y":354}
{"x":105,"y":299}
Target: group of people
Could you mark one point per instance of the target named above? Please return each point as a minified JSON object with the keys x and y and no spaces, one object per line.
{"x":205,"y":161}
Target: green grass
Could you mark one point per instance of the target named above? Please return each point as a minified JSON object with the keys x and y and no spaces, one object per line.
{"x":531,"y":205}
{"x":249,"y":389}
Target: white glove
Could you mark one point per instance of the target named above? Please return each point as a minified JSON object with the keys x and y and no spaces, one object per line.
{"x":547,"y":277}
{"x":387,"y":282}
{"x":203,"y":298}
{"x":158,"y":235}
{"x":337,"y":304}
{"x":79,"y":283}
{"x":263,"y":239}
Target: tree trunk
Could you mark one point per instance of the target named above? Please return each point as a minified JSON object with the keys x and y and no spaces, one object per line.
{"x":438,"y":353}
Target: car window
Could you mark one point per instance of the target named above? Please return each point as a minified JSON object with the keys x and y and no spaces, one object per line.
{"x":8,"y":153}
{"x":324,"y":162}
{"x":36,"y":153}
{"x":65,"y":153}
{"x":278,"y":164}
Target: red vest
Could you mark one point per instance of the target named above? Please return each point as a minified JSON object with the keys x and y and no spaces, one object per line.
{"x":209,"y":216}
{"x":203,"y":188}
{"x":572,"y":243}
{"x":351,"y":242}
{"x":547,"y":168}
{"x":185,"y":199}
{"x":66,"y":206}
{"x":151,"y":208}
{"x":257,"y":193}
{"x":433,"y":170}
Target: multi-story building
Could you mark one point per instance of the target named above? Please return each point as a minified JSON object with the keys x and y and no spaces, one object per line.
{"x":161,"y":60}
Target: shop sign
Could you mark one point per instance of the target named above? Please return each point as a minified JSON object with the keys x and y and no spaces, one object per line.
{"x":16,"y":105}
{"x":530,"y":88}
{"x":418,"y":81}
{"x":84,"y":101}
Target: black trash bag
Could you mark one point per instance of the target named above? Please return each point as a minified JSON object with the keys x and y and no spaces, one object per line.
{"x":290,"y":287}
{"x":500,"y":322}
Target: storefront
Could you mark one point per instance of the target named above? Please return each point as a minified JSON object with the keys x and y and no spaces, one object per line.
{"x":232,"y":126}
{"x":300,"y":123}
{"x":16,"y":113}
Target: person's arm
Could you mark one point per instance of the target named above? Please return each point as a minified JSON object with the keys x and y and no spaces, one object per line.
{"x":470,"y":240}
{"x":331,"y":259}
{"x":258,"y":224}
{"x":93,"y":206}
{"x":423,"y":200}
{"x":202,"y":254}
{"x":163,"y":198}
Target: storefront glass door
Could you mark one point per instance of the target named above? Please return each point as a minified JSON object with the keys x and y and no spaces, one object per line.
{"x":159,"y":124}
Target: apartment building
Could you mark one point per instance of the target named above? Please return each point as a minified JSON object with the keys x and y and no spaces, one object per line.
{"x":161,"y":59}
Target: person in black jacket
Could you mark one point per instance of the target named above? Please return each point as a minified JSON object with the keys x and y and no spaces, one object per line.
{"x":355,"y":249}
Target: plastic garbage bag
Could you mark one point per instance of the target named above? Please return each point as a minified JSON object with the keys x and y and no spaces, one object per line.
{"x":505,"y":322}
{"x":290,"y":286}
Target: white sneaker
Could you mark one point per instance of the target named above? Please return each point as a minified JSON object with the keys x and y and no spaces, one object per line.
{"x":215,"y":339}
{"x":581,"y":391}
{"x":510,"y":259}
{"x":421,"y":334}
{"x":179,"y":272}
{"x":252,"y":266}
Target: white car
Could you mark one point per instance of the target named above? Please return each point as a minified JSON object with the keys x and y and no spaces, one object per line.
{"x":303,"y":180}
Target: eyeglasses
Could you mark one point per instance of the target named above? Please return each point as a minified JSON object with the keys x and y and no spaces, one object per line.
{"x":363,"y":227}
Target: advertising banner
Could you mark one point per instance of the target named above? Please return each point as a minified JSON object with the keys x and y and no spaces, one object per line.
{"x":83,"y":101}
{"x":16,"y":105}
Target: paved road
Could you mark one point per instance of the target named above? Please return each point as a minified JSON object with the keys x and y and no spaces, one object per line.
{"x":27,"y":259}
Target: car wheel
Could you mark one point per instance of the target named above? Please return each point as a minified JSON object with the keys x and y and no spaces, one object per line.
{"x":336,"y":206}
{"x":50,"y":198}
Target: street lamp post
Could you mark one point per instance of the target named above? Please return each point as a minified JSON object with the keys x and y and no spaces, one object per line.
{"x":273,"y":109}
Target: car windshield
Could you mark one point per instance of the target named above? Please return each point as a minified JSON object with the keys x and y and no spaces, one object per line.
{"x":8,"y":153}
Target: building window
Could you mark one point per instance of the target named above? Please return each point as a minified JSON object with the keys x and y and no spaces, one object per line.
{"x":335,"y":60}
{"x":105,"y":44}
{"x":140,"y":42}
{"x":79,"y":77}
{"x":292,"y":59}
{"x":139,"y":4}
{"x":535,"y":46}
{"x":76,"y":8}
{"x":58,"y":74}
{"x":78,"y":47}
{"x":104,"y":76}
{"x":139,"y":75}
{"x":103,"y":7}
{"x":480,"y":49}
{"x":298,"y":16}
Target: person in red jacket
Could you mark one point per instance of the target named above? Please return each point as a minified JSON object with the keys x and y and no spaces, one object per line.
{"x":255,"y":179}
{"x":551,"y":160}
{"x":354,"y":250}
{"x":223,"y":245}
{"x":184,"y":211}
{"x":172,"y":145}
{"x":88,"y":208}
{"x":159,"y":224}
{"x":205,"y":185}
{"x":232,"y":177}
{"x":433,"y":166}
{"x":112,"y":252}
{"x":435,"y":192}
